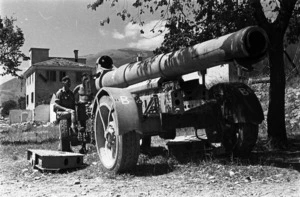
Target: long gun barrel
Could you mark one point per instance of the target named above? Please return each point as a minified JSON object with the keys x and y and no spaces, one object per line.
{"x":245,"y":46}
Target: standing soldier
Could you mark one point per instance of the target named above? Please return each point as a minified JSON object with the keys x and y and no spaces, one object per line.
{"x":83,"y":97}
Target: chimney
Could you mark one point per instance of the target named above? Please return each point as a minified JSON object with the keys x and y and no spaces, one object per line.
{"x":76,"y":55}
{"x":38,"y":55}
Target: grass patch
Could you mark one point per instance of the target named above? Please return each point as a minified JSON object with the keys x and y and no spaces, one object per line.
{"x":37,"y":135}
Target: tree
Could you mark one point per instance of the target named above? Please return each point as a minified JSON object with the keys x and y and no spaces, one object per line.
{"x":7,"y":106}
{"x":276,"y":31}
{"x":190,"y":22}
{"x":11,"y":40}
{"x":22,"y":102}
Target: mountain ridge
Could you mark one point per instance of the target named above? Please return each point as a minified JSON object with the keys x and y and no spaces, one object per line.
{"x":119,"y":56}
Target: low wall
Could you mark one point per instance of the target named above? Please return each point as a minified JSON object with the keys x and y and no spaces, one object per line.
{"x":42,"y":113}
{"x":19,"y":116}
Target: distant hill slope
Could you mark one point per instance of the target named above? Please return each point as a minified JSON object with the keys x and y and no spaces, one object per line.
{"x":11,"y":90}
{"x":119,"y":56}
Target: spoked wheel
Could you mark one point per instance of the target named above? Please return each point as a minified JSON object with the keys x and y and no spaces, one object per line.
{"x":240,"y":138}
{"x":118,"y":153}
{"x":241,"y":114}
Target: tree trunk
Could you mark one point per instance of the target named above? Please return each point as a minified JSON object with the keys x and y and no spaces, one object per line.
{"x":276,"y":30}
{"x":276,"y":114}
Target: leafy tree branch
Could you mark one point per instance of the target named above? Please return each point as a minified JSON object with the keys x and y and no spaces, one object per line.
{"x":11,"y":40}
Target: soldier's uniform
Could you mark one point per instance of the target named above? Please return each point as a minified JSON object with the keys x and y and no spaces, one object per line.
{"x":65,"y":98}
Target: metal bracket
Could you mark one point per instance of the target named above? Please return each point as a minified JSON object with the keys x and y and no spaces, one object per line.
{"x":153,"y":106}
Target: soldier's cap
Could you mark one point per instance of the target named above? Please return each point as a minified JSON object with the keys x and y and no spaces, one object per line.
{"x":65,"y":79}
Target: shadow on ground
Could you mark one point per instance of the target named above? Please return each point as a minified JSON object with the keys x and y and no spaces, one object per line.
{"x":159,"y":160}
{"x":152,"y":162}
{"x":289,"y":158}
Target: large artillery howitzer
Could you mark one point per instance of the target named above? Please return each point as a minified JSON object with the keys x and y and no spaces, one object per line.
{"x":245,"y":47}
{"x":147,"y":98}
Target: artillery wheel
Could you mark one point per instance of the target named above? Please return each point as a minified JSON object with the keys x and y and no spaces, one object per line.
{"x":239,"y":129}
{"x":117,"y":153}
{"x":64,"y":126}
{"x":240,"y":138}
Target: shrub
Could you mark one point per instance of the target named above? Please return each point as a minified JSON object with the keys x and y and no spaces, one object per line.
{"x":8,"y":105}
{"x":22,"y":102}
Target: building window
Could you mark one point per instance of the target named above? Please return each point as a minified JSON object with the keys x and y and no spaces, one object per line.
{"x":27,"y":100}
{"x":31,"y":97}
{"x":51,"y":75}
{"x":62,"y":74}
{"x":78,"y":76}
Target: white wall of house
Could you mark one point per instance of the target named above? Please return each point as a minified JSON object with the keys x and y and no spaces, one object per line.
{"x":213,"y":75}
{"x":217,"y":74}
{"x":30,"y":91}
{"x":52,"y":113}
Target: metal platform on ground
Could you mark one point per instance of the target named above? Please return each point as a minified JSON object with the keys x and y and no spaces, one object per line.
{"x":54,"y":160}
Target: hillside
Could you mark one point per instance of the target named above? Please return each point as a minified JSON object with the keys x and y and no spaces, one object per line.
{"x":119,"y":56}
{"x":11,"y":90}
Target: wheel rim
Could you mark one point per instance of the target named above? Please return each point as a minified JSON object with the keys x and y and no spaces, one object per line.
{"x":106,"y":139}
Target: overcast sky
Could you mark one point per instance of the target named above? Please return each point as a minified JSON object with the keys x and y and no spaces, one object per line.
{"x":65,"y":25}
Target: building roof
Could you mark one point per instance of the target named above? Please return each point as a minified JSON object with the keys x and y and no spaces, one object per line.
{"x":58,"y":63}
{"x":33,"y":48}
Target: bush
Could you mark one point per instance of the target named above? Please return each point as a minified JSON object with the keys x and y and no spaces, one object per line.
{"x":8,"y":105}
{"x":22,"y":102}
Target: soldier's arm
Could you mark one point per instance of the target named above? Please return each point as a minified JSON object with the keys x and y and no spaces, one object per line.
{"x":59,"y":107}
{"x":76,"y":94}
{"x":76,"y":89}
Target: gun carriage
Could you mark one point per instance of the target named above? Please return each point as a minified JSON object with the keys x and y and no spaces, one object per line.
{"x":148,"y":98}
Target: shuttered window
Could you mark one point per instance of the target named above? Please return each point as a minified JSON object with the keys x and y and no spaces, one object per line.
{"x":51,"y":75}
{"x":62,"y":74}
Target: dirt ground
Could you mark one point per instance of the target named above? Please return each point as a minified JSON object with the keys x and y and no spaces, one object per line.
{"x":17,"y":178}
{"x":163,"y":185}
